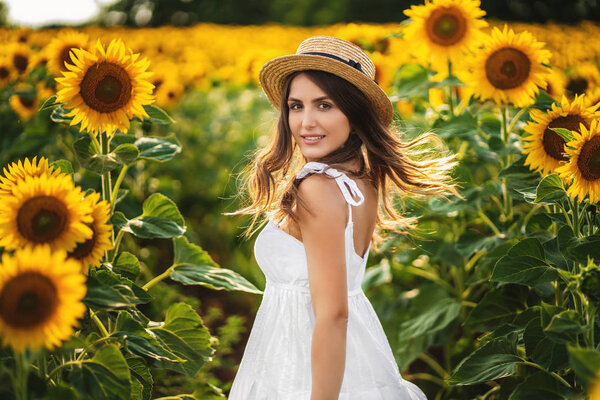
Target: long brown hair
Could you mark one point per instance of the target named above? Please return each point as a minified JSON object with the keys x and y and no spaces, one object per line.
{"x":391,"y":165}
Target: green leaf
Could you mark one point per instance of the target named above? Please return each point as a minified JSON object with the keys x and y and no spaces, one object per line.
{"x":581,"y":249}
{"x":50,"y":102}
{"x":540,"y":385}
{"x":141,"y":341}
{"x":157,"y":115}
{"x":119,"y":220}
{"x":566,"y":134}
{"x":377,"y":275}
{"x":103,"y":377}
{"x":436,"y":318}
{"x":159,"y":205}
{"x":585,"y":363}
{"x":103,"y":163}
{"x":59,"y":115}
{"x":61,"y":391}
{"x":126,"y":153}
{"x":495,"y":359}
{"x":411,"y":79}
{"x":184,"y":334}
{"x":524,"y":264}
{"x":127,"y":265}
{"x":542,"y":349}
{"x":158,"y":149}
{"x":550,"y":190}
{"x":564,"y":326}
{"x":84,"y":148}
{"x":63,"y":166}
{"x":141,"y":377}
{"x":121,"y":195}
{"x":493,"y":310}
{"x":107,"y":290}
{"x":194,"y":266}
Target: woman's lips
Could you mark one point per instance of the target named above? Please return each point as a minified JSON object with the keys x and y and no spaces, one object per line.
{"x":312,"y":139}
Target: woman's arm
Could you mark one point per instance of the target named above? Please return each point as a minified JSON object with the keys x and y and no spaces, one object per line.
{"x":323,"y":237}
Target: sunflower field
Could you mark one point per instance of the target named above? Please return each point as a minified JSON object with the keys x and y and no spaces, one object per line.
{"x":120,"y":277}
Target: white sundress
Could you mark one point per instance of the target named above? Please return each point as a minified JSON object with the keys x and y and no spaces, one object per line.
{"x":276,"y":364}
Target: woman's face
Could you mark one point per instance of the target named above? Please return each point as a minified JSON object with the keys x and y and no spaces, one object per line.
{"x":317,"y":124}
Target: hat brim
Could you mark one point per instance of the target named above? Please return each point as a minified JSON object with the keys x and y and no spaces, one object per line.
{"x":273,"y":74}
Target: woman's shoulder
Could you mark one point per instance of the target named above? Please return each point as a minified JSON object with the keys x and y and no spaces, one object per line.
{"x":322,"y":195}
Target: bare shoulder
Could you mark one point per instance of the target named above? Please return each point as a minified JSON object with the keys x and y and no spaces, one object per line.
{"x":323,"y":198}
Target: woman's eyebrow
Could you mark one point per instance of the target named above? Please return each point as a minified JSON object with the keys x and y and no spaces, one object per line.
{"x":314,"y":101}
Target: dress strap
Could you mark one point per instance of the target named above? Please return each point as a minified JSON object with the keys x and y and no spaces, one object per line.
{"x":347,"y":185}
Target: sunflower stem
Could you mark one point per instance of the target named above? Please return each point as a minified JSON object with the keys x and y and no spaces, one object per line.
{"x":61,"y":366}
{"x":115,"y":190}
{"x":95,"y":143}
{"x":516,"y":118}
{"x":22,"y":370}
{"x":489,"y":222}
{"x":99,"y":324}
{"x":450,"y":90}
{"x":575,"y":208}
{"x":106,"y":186}
{"x":158,"y":278}
{"x":507,"y":200}
{"x":554,"y":374}
{"x":117,"y":242}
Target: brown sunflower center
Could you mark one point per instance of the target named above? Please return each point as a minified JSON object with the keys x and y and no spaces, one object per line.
{"x":588,"y":161}
{"x":42,"y":219}
{"x":106,"y":87}
{"x":28,"y":300}
{"x":157,"y":84}
{"x":4,"y":72}
{"x":65,"y":55}
{"x":577,"y":85}
{"x":553,"y":143}
{"x":446,"y":26}
{"x":20,"y":62}
{"x":84,"y":249}
{"x":507,"y":68}
{"x":26,"y":101}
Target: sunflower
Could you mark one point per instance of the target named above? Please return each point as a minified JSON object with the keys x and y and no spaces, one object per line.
{"x":582,"y":78}
{"x":41,"y":294}
{"x":19,"y":170}
{"x":19,"y":56}
{"x":59,"y":50}
{"x":92,"y":250}
{"x":105,"y":89}
{"x":45,"y":209}
{"x":556,"y":81}
{"x":442,"y":30}
{"x":582,"y":171}
{"x":6,"y":72}
{"x":592,"y":97}
{"x":25,"y":102}
{"x":545,"y":147}
{"x":509,"y":68}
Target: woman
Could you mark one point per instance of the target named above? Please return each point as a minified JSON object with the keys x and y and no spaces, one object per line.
{"x":316,"y":335}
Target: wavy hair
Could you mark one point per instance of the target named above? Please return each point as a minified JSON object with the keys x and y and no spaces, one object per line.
{"x":390,"y":164}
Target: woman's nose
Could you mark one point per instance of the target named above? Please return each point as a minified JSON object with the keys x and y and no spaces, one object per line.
{"x":308,"y":119}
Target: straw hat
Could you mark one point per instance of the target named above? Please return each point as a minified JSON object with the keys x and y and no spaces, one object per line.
{"x":333,"y":55}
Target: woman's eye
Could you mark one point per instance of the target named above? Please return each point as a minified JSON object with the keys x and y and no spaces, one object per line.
{"x":325,"y":105}
{"x":295,"y":106}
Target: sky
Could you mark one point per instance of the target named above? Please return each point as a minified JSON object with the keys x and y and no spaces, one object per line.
{"x":36,"y":13}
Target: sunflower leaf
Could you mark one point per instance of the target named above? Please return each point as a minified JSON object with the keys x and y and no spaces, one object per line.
{"x":566,"y":134}
{"x":550,"y":190}
{"x":63,"y":166}
{"x":158,"y":149}
{"x":50,"y":102}
{"x":105,"y":376}
{"x":184,"y":334}
{"x":194,"y":266}
{"x":126,"y":153}
{"x":585,"y":363}
{"x":59,"y":115}
{"x":84,"y":148}
{"x":157,"y":115}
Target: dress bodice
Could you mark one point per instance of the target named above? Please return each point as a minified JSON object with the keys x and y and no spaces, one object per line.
{"x":282,"y":257}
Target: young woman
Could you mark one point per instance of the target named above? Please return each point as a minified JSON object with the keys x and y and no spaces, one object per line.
{"x":316,"y":335}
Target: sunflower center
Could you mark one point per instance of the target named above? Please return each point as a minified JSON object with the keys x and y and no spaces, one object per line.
{"x":27,"y":102}
{"x":20,"y":62}
{"x":65,"y":56}
{"x":446,"y":26}
{"x":554,"y":144}
{"x":84,"y":249}
{"x":588,"y":161}
{"x":42,"y":219}
{"x":106,"y":87}
{"x":577,"y":85}
{"x":507,"y":68}
{"x":28,"y":300}
{"x":4,"y":73}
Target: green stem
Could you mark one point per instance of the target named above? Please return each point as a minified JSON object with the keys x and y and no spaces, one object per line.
{"x":20,"y":382}
{"x":95,"y":143}
{"x":567,"y":218}
{"x":99,"y":324}
{"x":117,"y":244}
{"x":529,"y":215}
{"x":106,"y":186}
{"x":61,"y":366}
{"x":450,"y":90}
{"x":575,"y":208}
{"x":489,"y":222}
{"x":433,"y":364}
{"x":516,"y":118}
{"x":159,"y":278}
{"x":506,"y":159}
{"x":554,"y":374}
{"x":115,"y":190}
